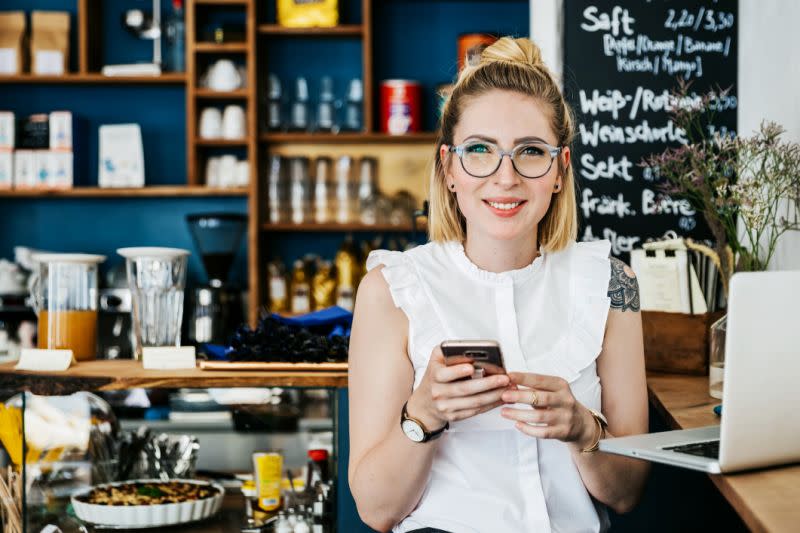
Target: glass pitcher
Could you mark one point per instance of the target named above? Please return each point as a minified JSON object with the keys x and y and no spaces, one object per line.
{"x":63,"y":291}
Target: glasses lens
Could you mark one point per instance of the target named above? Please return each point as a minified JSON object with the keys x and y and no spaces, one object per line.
{"x":532,"y":160}
{"x":480,"y":159}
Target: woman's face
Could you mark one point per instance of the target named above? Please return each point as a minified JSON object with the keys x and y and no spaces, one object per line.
{"x":504,"y":205}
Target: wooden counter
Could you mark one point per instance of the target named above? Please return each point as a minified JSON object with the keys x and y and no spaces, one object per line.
{"x":127,"y":374}
{"x":766,"y":500}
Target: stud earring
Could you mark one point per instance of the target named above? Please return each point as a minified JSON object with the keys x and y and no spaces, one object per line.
{"x":557,"y":188}
{"x":452,"y":186}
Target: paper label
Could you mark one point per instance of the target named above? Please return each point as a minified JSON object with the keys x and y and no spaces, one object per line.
{"x":44,"y":360}
{"x":8,"y":61}
{"x":168,"y":357}
{"x":49,"y":62}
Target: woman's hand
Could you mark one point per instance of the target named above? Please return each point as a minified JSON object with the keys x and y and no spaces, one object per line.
{"x":442,"y":398}
{"x":556,"y":413}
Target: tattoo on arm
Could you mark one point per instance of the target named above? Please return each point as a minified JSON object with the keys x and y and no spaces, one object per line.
{"x":623,"y":289}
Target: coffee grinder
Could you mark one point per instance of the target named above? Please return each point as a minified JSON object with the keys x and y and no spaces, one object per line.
{"x":215,"y":310}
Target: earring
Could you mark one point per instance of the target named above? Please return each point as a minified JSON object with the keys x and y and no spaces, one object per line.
{"x":557,"y":187}
{"x":452,"y":186}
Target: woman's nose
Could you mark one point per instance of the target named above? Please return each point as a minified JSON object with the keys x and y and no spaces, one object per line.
{"x":506,"y":175}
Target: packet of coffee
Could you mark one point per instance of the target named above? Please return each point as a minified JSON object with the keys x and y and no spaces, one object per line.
{"x":12,"y":42}
{"x":49,"y":42}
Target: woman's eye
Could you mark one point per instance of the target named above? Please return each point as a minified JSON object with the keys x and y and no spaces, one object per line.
{"x":532,"y":150}
{"x":477,"y":149}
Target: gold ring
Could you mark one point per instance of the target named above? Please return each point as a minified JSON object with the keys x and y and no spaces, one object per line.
{"x":535,"y":400}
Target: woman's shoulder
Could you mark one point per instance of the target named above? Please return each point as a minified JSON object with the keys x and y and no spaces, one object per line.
{"x":430,"y":253}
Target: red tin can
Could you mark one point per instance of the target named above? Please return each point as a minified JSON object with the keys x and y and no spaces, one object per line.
{"x":400,"y":106}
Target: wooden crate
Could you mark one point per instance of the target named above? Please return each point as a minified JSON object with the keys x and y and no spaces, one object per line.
{"x":677,"y":342}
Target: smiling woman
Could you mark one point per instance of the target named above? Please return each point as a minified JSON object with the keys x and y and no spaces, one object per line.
{"x":438,"y":447}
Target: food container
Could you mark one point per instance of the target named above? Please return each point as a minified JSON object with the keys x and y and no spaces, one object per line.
{"x":470,"y":46}
{"x":400,"y":106}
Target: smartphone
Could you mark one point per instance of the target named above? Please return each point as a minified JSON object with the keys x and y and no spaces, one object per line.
{"x":485,"y":356}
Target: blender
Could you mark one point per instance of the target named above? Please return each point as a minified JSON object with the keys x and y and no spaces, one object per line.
{"x":214,"y":310}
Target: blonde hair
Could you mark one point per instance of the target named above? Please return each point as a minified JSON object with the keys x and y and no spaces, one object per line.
{"x":509,"y":65}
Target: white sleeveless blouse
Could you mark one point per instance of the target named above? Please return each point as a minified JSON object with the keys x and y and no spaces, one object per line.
{"x":549,"y":318}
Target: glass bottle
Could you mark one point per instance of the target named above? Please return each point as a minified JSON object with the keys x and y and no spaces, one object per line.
{"x":275,"y":120}
{"x":344,"y":193}
{"x":300,"y":187}
{"x":299,"y":119}
{"x":277,"y":191}
{"x":354,"y":106}
{"x":325,"y":106}
{"x":176,"y":36}
{"x":278,"y":289}
{"x":323,"y":191}
{"x":323,"y":286}
{"x":347,"y":274}
{"x":300,"y":289}
{"x":716,"y":361}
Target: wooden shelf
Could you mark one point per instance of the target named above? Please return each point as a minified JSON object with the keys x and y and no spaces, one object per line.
{"x":221,"y":48}
{"x":311,"y":227}
{"x":155,"y":191}
{"x":222,"y":142}
{"x":348,"y":138}
{"x":221,"y":2}
{"x":128,"y":374}
{"x":222,"y":95}
{"x":95,"y":78}
{"x":342,"y":30}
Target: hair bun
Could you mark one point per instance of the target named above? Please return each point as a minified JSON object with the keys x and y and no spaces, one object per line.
{"x":510,"y":50}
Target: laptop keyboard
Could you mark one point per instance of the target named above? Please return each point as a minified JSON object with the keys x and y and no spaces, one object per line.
{"x":708,"y":449}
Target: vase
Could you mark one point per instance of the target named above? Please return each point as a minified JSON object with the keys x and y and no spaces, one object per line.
{"x":716,"y":357}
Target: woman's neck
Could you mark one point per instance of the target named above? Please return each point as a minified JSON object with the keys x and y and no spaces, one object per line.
{"x":494,"y":255}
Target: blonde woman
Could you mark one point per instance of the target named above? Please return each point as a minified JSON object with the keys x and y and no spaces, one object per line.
{"x":430,"y":451}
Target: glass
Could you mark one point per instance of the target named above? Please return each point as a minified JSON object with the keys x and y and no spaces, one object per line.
{"x":300,"y":190}
{"x":481,"y":159}
{"x":64,"y":293}
{"x":156,"y":277}
{"x":716,"y":363}
{"x":277,"y":191}
{"x":323,"y":191}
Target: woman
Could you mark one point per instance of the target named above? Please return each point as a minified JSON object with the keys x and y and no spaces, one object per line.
{"x":518,"y":453}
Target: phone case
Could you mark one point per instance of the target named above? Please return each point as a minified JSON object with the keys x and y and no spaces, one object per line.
{"x":485,"y":356}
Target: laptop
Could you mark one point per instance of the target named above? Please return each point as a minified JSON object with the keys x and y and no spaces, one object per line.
{"x":760,"y":423}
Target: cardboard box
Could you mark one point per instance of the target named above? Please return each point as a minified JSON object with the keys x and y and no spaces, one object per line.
{"x":24,"y":169}
{"x":6,"y":169}
{"x":61,"y":130}
{"x":677,"y":342}
{"x":60,"y":170}
{"x":7,"y":130}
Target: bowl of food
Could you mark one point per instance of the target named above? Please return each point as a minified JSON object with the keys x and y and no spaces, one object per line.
{"x":148,"y":503}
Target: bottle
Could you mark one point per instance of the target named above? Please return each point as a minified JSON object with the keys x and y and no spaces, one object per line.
{"x":345,"y":203}
{"x":277,"y":190}
{"x":347,"y":274}
{"x":299,"y":119}
{"x":278,"y":289}
{"x":176,"y":36}
{"x":319,"y":460}
{"x":323,"y":191}
{"x":323,"y":286}
{"x":300,"y":190}
{"x":275,"y":120}
{"x":325,"y":106}
{"x":300,"y":289}
{"x":354,"y":106}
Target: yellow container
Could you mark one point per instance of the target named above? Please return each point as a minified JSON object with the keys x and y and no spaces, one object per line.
{"x":268,"y":467}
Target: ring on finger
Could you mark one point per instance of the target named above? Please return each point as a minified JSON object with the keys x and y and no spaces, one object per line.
{"x":535,"y":400}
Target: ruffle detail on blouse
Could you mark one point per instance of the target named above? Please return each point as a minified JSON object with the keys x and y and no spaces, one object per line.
{"x":519,"y":275}
{"x":425,"y":329}
{"x":590,"y":273}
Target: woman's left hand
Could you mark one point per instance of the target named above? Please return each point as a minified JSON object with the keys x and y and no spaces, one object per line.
{"x":556,"y":412}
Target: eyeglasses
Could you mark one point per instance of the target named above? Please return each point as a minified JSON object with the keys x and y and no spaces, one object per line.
{"x":481,"y":159}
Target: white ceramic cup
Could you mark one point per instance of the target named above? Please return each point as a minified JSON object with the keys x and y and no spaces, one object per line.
{"x":212,"y":172}
{"x":233,"y":122}
{"x":211,"y":123}
{"x":227,"y":171}
{"x":224,"y":76}
{"x":242,"y":173}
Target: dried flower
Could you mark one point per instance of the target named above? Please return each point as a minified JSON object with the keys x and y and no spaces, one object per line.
{"x":745,"y":187}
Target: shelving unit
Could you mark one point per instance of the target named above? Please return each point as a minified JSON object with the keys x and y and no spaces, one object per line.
{"x":154,"y":191}
{"x":342,"y":30}
{"x":167,"y":78}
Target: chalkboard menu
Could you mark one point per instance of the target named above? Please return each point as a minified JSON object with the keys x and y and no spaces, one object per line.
{"x":622,"y":61}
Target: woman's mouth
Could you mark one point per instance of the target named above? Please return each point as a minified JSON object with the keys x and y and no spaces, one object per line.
{"x":505,"y":207}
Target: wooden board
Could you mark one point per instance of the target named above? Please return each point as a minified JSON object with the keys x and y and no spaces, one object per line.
{"x":273,"y":367}
{"x":127,"y":374}
{"x":767,"y":500}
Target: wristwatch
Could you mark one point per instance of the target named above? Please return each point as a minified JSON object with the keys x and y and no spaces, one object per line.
{"x":602,"y":424}
{"x":416,"y":430}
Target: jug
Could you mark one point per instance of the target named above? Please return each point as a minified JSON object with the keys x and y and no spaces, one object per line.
{"x":63,"y":291}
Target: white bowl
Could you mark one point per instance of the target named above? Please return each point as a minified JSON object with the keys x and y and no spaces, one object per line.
{"x":147,"y":516}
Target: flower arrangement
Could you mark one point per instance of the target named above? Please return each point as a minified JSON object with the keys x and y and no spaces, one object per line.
{"x":747,"y":188}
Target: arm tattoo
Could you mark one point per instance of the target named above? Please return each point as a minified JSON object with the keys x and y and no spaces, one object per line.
{"x":623,"y":289}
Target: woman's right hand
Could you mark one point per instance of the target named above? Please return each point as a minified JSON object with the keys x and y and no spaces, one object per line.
{"x":441,"y":398}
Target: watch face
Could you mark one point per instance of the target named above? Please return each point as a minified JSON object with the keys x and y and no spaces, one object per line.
{"x":412,"y":430}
